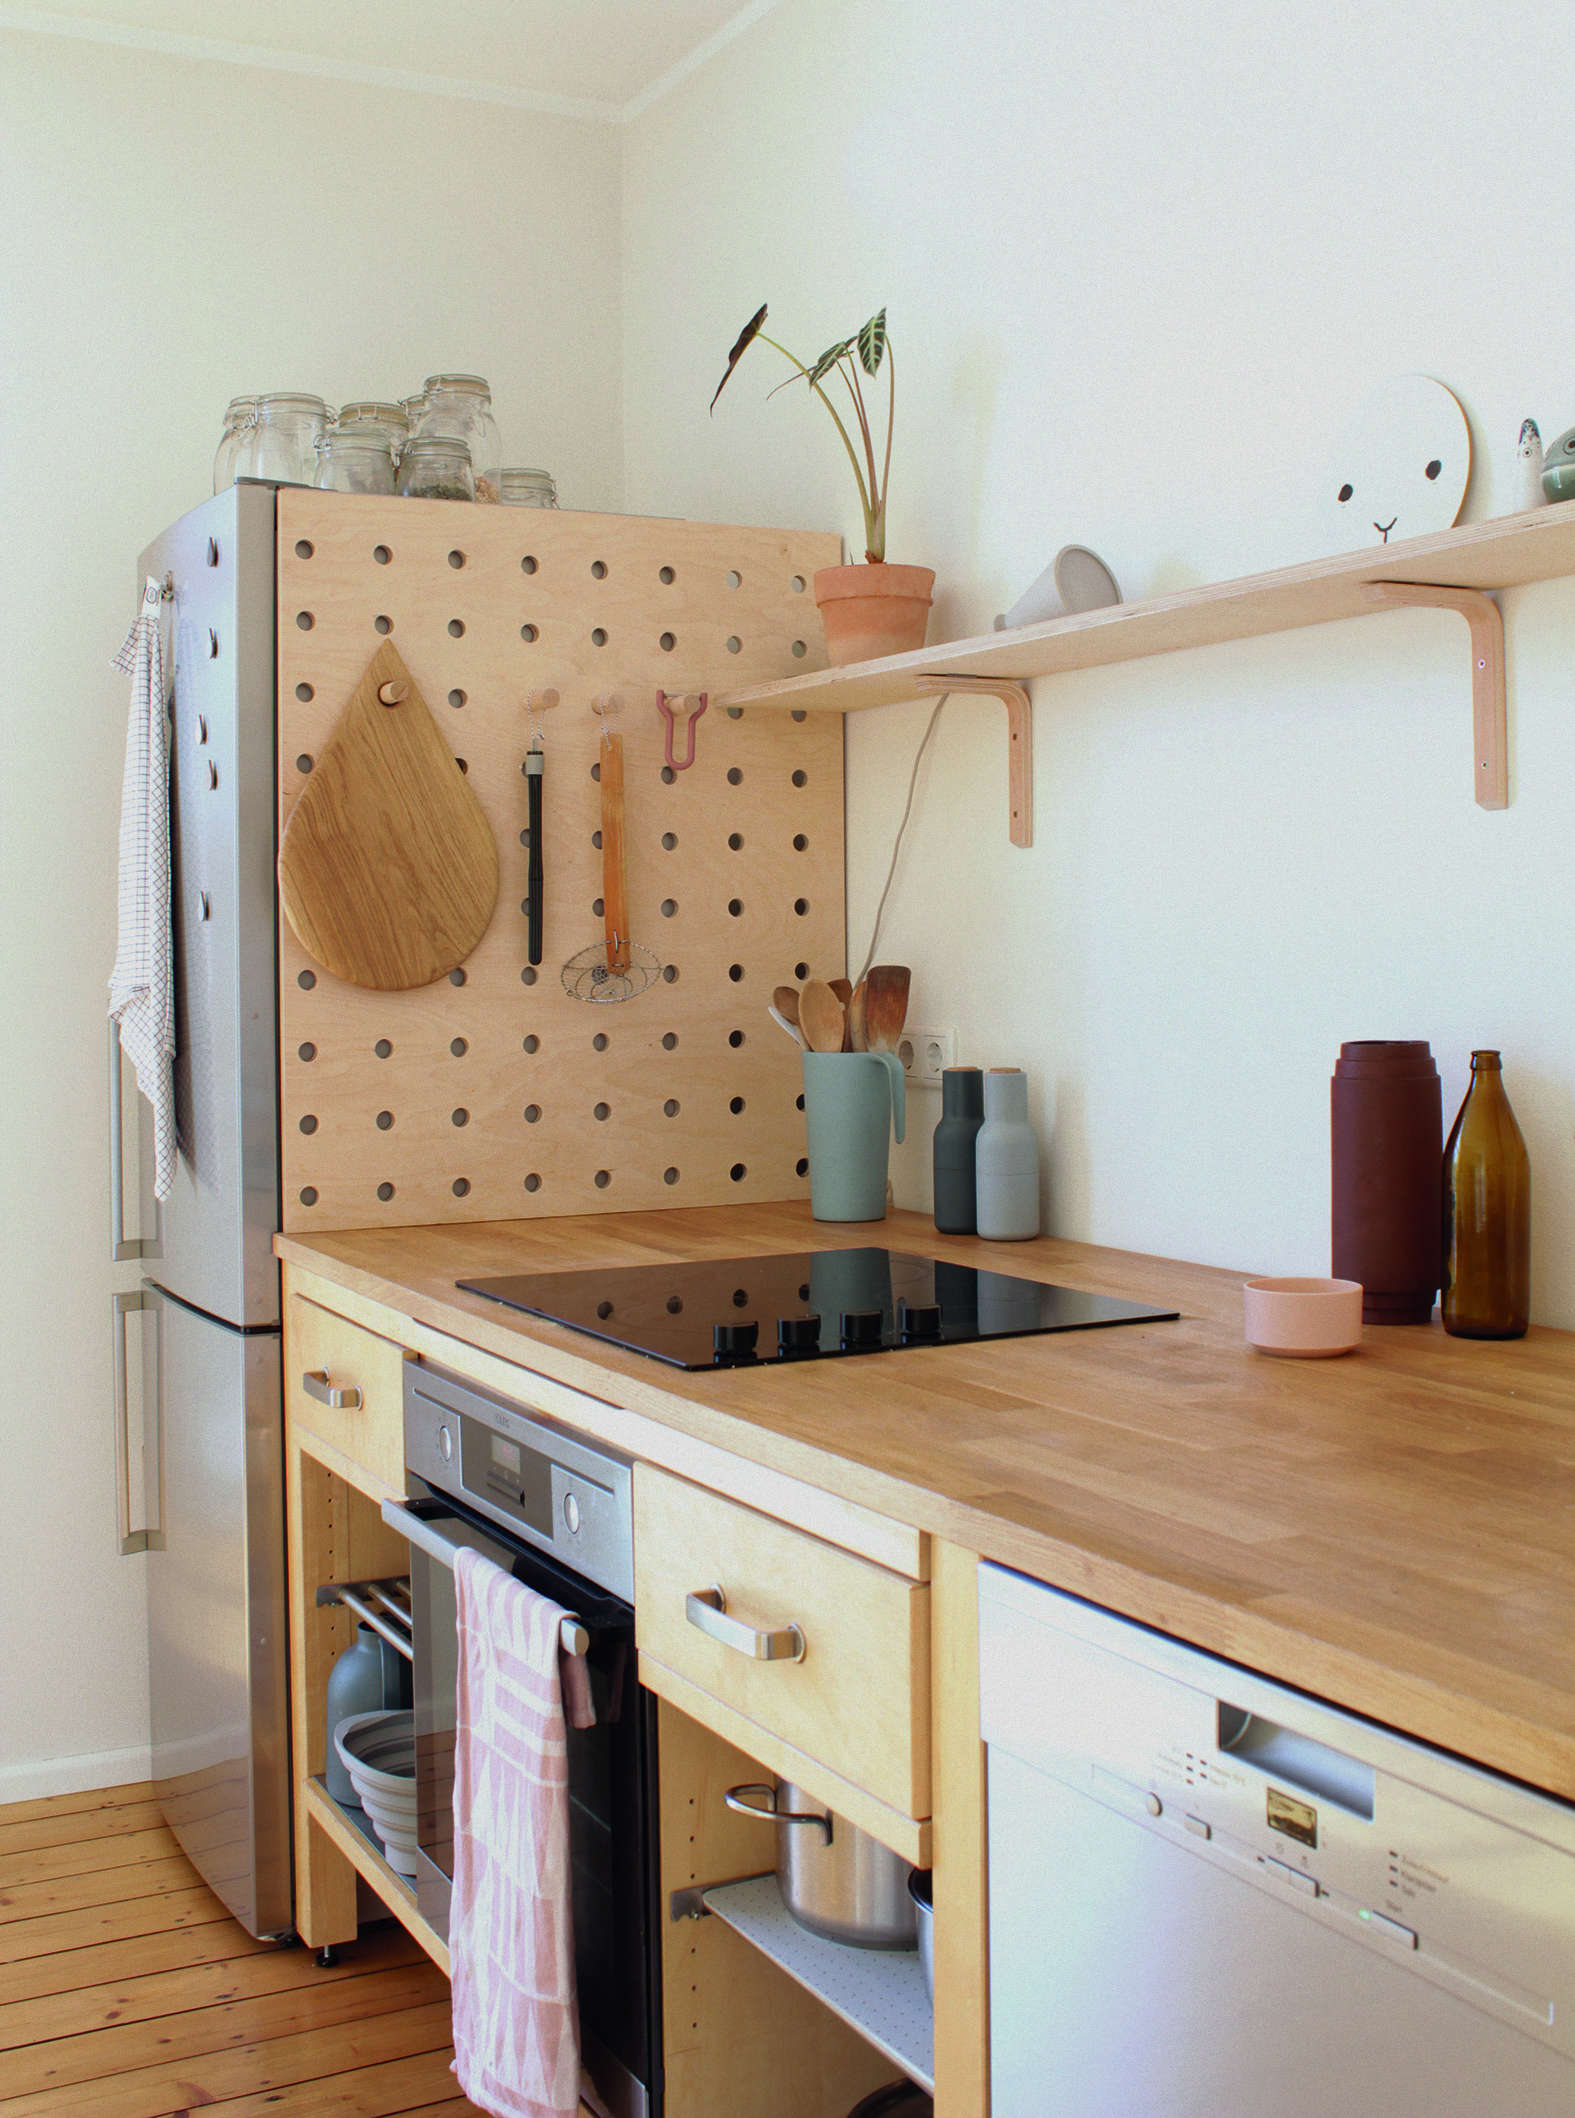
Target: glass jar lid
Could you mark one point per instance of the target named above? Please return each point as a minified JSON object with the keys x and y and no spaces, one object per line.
{"x":469,"y":385}
{"x":238,"y":405}
{"x":438,"y":445}
{"x":291,"y":404}
{"x":516,"y":483}
{"x":371,"y":412}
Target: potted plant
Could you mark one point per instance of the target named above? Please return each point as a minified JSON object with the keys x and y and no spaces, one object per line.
{"x":869,"y":609}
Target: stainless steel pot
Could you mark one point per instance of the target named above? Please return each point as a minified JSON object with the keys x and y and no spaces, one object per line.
{"x":836,"y":1880}
{"x":919,"y":1889}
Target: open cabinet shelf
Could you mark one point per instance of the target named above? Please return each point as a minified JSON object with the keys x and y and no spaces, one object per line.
{"x":878,"y":1992}
{"x":351,"y":1831}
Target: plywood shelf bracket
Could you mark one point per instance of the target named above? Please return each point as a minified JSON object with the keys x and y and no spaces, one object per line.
{"x":1490,"y":742}
{"x":1020,"y":741}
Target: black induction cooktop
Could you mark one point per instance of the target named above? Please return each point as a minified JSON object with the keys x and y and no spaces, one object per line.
{"x":740,"y":1312}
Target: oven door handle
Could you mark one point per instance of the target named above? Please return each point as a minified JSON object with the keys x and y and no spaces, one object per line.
{"x":427,"y":1538}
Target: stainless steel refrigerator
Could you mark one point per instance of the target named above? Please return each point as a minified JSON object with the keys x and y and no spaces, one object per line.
{"x":207,"y":1310}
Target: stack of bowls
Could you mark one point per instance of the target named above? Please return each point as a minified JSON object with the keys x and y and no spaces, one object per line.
{"x":379,"y":1753}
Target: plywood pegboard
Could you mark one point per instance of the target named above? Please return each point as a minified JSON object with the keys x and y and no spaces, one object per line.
{"x":497,"y":1095}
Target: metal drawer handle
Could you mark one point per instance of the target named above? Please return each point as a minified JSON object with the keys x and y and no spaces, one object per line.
{"x":764,"y":1807}
{"x":316,"y":1384}
{"x":706,"y":1610}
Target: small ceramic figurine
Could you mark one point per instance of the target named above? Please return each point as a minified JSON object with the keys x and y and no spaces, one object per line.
{"x":1399,"y":468}
{"x":1528,"y":468}
{"x":1558,"y":467}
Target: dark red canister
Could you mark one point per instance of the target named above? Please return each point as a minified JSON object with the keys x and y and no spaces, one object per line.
{"x":1386,"y":1125}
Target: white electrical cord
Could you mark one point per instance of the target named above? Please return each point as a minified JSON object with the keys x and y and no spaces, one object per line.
{"x":907,"y":811}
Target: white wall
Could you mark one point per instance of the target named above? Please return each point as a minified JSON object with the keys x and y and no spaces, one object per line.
{"x":1140,"y":264}
{"x":177,"y":232}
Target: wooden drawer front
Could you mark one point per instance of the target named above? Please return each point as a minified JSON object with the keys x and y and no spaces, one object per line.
{"x":858,"y":1699}
{"x":326,"y":1356}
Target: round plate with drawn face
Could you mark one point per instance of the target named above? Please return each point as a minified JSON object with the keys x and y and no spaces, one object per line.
{"x":1399,"y":468}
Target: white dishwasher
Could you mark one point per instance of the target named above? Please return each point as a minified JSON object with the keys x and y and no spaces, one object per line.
{"x":1213,"y":1897}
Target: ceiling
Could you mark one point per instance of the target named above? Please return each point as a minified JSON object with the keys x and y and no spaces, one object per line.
{"x":600,"y":58}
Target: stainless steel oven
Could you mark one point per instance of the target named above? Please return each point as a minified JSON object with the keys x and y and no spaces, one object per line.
{"x":558,"y":1515}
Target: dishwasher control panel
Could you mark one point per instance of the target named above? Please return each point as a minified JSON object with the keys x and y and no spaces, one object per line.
{"x":1462,"y":1876}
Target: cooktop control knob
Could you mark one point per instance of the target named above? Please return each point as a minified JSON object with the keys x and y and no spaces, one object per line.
{"x":735,"y":1341}
{"x":798,"y":1334}
{"x":862,"y":1327}
{"x":445,"y":1444}
{"x":920,"y":1319}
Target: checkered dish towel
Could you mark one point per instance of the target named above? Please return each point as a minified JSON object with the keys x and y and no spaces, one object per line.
{"x":142,"y":987}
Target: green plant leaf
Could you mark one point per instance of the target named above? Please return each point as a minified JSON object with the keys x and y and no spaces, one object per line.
{"x":872,"y":343}
{"x":827,"y":361}
{"x":745,"y":340}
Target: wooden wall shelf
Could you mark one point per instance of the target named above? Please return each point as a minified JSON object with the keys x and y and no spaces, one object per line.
{"x":1477,"y":559}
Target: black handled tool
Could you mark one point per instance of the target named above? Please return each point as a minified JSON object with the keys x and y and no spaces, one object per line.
{"x":535,"y":759}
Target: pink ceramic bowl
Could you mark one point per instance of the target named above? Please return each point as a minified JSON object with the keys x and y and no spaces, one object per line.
{"x":1303,"y":1319}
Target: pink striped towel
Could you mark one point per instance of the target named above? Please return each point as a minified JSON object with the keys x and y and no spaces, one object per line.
{"x":511,"y":1936}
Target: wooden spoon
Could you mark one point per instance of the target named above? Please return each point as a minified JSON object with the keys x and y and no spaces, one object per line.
{"x":858,"y":1036}
{"x":821,"y":1016}
{"x":886,"y":1004}
{"x":784,"y":998}
{"x":843,"y":989}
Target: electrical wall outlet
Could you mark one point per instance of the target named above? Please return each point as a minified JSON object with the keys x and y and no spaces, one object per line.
{"x":926,"y":1054}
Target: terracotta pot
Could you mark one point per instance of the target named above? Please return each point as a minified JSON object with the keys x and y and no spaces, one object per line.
{"x":873,"y":610}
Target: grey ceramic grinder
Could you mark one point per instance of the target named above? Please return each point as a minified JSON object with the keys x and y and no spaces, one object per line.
{"x":1006,"y":1159}
{"x":962,"y":1114}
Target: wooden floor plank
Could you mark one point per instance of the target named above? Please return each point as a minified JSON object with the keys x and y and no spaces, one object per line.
{"x":76,"y":1827}
{"x":276,"y":2063}
{"x":86,"y":1804}
{"x":71,"y":1970}
{"x":365,"y":2092}
{"x":105,"y":1886}
{"x":193,"y":1906}
{"x":186,"y":1984}
{"x":195,"y":2034}
{"x":44,"y":1864}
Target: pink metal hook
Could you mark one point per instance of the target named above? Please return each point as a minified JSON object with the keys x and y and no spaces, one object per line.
{"x":691,"y":713}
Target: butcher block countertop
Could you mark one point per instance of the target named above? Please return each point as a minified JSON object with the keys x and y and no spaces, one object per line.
{"x":1393,"y":1531}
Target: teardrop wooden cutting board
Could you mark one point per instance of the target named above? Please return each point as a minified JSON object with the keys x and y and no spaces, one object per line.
{"x":388,"y":870}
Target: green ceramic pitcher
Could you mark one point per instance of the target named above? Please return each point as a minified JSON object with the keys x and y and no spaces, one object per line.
{"x":853,"y":1101}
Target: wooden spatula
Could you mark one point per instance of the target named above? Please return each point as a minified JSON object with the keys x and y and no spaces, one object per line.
{"x":821,"y":1016}
{"x":886,"y":1004}
{"x":858,"y":1033}
{"x":843,"y":988}
{"x":388,"y":870}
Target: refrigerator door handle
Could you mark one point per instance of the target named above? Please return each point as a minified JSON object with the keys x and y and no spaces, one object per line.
{"x":121,"y":1246}
{"x":150,"y":1539}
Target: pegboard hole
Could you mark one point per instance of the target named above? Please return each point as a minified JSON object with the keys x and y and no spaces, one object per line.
{"x":382,"y":623}
{"x":603,"y":1179}
{"x":735,"y":906}
{"x":385,"y":1121}
{"x":308,"y":1123}
{"x":305,"y":694}
{"x":306,"y":980}
{"x":668,"y":642}
{"x":456,"y":977}
{"x":529,"y":635}
{"x":670,"y":1176}
{"x":527,"y":564}
{"x":533,"y":1182}
{"x":598,"y":569}
{"x":735,"y":713}
{"x":304,"y":762}
{"x":382,"y":554}
{"x":800,"y":842}
{"x":459,"y":1047}
{"x":528,"y":975}
{"x":303,"y":548}
{"x":801,"y":971}
{"x":735,"y":776}
{"x":666,"y":575}
{"x":798,"y":714}
{"x":734,"y":644}
{"x":383,"y":1048}
{"x":457,"y":698}
{"x":596,"y":840}
{"x":456,"y":560}
{"x":385,"y":1192}
{"x":668,"y":775}
{"x":798,"y":584}
{"x":456,"y":628}
{"x":669,"y":841}
{"x":798,"y":1102}
{"x":669,"y":974}
{"x":307,"y":1051}
{"x":801,"y":777}
{"x":598,"y":636}
{"x":532,"y":1113}
{"x":735,"y":841}
{"x":463,"y":764}
{"x":800,"y":649}
{"x":459,"y":1117}
{"x":305,"y":620}
{"x":801,"y":1166}
{"x":735,"y":971}
{"x":801,"y":906}
{"x":669,"y":1041}
{"x":460,"y":1187}
{"x":598,"y":907}
{"x":735,"y":1038}
{"x":735,"y":579}
{"x":596,"y":772}
{"x":601,"y":1112}
{"x":669,"y":907}
{"x":736,"y":1105}
{"x":532,"y":1044}
{"x":671,"y":1107}
{"x":738,"y":1172}
{"x":309,"y":1195}
{"x":599,"y":1041}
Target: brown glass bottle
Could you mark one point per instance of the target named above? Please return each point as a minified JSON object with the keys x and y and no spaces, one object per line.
{"x":1487,"y":1213}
